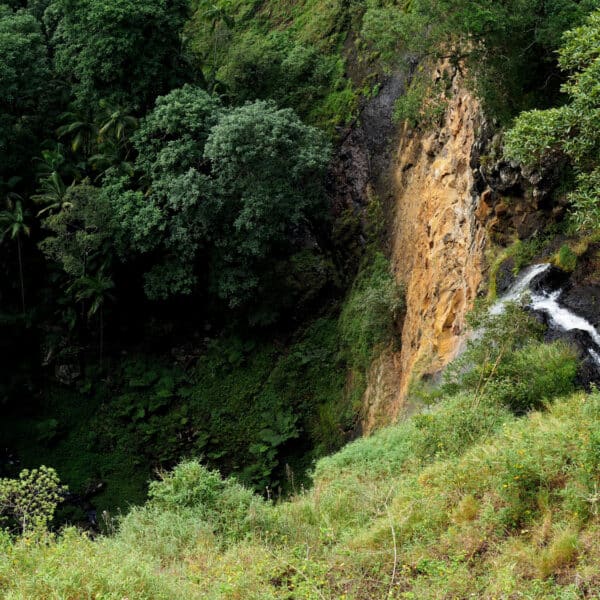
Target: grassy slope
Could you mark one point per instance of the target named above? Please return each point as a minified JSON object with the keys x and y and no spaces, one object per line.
{"x":464,"y":501}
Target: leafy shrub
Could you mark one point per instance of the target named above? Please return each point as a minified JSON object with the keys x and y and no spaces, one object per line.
{"x":456,"y":425}
{"x":507,"y":362}
{"x":222,"y":503}
{"x":28,"y":503}
{"x":570,"y":131}
{"x":533,"y":375}
{"x":565,"y":258}
{"x":425,"y":101}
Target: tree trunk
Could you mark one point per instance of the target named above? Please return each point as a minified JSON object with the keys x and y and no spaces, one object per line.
{"x":21,"y":274}
{"x":101,"y":334}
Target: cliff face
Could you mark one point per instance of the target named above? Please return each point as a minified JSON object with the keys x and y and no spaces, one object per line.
{"x":444,"y":202}
{"x":438,"y":240}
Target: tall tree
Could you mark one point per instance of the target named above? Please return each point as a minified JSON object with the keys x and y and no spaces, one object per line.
{"x":226,"y":196}
{"x":126,"y":51}
{"x":164,"y":215}
{"x":96,"y":289}
{"x":24,"y":81}
{"x":267,"y":171}
{"x":14,"y":219}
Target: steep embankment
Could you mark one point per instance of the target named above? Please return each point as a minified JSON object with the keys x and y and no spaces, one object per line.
{"x":427,"y":179}
{"x":438,"y":238}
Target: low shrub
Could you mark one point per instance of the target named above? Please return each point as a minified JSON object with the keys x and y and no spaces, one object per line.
{"x":565,"y":258}
{"x":224,"y":504}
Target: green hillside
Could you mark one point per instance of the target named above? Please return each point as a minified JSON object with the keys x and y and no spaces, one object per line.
{"x":202,"y":301}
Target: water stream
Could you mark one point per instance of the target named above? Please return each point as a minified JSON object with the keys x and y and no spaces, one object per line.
{"x":547,"y":302}
{"x":519,"y":287}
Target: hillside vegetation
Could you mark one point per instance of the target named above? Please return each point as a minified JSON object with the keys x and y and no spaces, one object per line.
{"x":190,"y":311}
{"x":467,"y":498}
{"x":466,"y":501}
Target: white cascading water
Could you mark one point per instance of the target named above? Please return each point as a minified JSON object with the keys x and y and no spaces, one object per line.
{"x":562,"y":317}
{"x":547,"y":302}
{"x":595,"y":356}
{"x":519,"y":287}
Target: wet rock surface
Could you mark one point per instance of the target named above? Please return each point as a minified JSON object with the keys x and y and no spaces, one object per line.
{"x":551,"y":280}
{"x":366,"y":151}
{"x":505,"y":276}
{"x":585,"y":301}
{"x":520,"y":201}
{"x":583,"y":294}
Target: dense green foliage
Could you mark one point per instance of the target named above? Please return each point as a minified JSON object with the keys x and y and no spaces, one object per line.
{"x":143,"y":204}
{"x":120,"y":64}
{"x":24,"y":85}
{"x":290,"y":52}
{"x":259,"y":410}
{"x":506,"y":48}
{"x":189,"y":322}
{"x":569,"y":131}
{"x":371,"y":313}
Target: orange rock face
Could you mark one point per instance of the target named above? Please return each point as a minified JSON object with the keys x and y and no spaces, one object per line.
{"x":438,"y":241}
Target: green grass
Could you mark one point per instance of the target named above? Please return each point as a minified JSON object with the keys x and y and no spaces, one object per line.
{"x":466,"y":499}
{"x":522,"y":253}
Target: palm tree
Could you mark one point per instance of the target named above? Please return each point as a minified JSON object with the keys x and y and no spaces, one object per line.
{"x":53,"y":192}
{"x":97,"y":290}
{"x":111,"y":155}
{"x":81,"y":129}
{"x":119,"y":123}
{"x":113,"y":140}
{"x":216,"y":15}
{"x":14,"y":220}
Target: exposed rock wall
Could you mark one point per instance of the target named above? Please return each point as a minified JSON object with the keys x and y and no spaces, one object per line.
{"x":450,"y":194}
{"x":438,"y":240}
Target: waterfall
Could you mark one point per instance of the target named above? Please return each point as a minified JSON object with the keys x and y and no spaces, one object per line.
{"x":519,"y":287}
{"x":561,"y":317}
{"x":547,"y":302}
{"x":595,"y":357}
